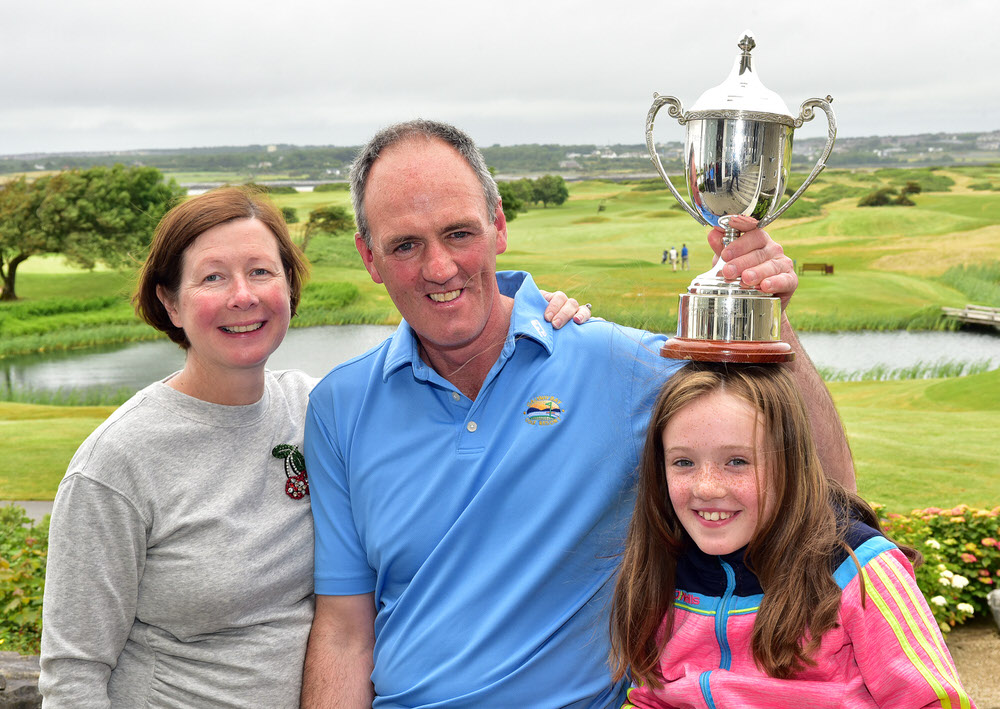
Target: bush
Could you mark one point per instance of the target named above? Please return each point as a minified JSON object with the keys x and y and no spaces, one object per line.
{"x":332,"y":187}
{"x":878,"y":198}
{"x":981,"y":186}
{"x":291,"y":215}
{"x":280,"y":189}
{"x":23,"y":548}
{"x":961,"y":558}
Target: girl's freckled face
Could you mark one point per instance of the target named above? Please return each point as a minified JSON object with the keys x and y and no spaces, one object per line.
{"x":712,"y":468}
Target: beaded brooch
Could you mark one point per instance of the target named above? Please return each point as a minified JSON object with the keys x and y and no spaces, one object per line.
{"x":297,"y":482}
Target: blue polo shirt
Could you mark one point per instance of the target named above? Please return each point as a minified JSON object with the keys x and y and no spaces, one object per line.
{"x":488,"y":530}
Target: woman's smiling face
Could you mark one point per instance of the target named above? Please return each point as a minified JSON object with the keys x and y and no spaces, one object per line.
{"x":232,"y":301}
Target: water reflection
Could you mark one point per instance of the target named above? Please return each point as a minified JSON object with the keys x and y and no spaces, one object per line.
{"x":317,"y":349}
{"x":314,"y":350}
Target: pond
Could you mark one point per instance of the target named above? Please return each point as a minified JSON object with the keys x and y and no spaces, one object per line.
{"x":316,"y":350}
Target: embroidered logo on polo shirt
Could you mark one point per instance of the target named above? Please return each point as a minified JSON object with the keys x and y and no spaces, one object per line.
{"x":544,"y":411}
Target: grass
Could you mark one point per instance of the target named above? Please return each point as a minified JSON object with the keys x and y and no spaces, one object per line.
{"x":924,"y":442}
{"x":920,"y":370}
{"x":38,"y":443}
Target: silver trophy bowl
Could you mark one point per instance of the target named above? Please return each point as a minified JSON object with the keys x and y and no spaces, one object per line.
{"x":737,"y":152}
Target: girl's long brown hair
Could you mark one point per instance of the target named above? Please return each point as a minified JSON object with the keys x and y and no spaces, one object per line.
{"x":791,"y":552}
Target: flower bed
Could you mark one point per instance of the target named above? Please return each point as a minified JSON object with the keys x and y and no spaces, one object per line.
{"x":961,"y":557}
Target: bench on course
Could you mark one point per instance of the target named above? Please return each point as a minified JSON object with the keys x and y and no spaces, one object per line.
{"x":824,"y":268}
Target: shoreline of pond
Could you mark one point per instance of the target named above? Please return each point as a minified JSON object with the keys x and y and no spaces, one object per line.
{"x":73,"y":340}
{"x":109,"y":374}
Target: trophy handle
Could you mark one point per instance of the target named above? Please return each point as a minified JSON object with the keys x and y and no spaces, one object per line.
{"x":806,"y":113}
{"x":675,"y":111}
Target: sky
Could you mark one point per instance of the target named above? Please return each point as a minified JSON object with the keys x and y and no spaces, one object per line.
{"x":107,"y":75}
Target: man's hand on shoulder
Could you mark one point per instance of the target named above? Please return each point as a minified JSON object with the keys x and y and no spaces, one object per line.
{"x":562,"y":309}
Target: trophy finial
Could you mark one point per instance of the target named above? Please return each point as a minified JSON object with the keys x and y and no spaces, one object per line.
{"x":746,"y":44}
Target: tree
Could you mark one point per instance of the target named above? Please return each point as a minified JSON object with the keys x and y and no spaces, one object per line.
{"x":551,"y":189}
{"x":512,"y":204}
{"x":291,"y":215}
{"x":330,"y":219}
{"x":104,"y":214}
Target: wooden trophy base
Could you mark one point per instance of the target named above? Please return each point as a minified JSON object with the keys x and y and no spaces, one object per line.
{"x":727,"y":351}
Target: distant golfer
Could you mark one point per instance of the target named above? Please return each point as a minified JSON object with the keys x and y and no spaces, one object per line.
{"x":673,"y":257}
{"x":684,"y":256}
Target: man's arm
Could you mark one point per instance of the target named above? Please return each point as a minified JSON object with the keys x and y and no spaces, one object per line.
{"x":761,"y":262}
{"x":339,"y":660}
{"x":827,"y":429}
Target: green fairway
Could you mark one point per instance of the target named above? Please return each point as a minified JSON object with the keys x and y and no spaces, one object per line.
{"x":924,"y":442}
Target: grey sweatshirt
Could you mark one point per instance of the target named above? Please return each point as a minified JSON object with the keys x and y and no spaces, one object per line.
{"x":179,"y":570}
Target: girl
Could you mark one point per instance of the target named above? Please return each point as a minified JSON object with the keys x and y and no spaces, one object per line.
{"x":751,"y":580}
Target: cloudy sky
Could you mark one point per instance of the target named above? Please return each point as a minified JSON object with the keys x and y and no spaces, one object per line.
{"x":119,"y":75}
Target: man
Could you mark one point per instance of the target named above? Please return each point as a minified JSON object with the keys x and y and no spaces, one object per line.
{"x":673,"y":257}
{"x":684,"y":257}
{"x":470,"y":476}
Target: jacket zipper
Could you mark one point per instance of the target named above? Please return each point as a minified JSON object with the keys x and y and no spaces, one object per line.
{"x":721,"y":623}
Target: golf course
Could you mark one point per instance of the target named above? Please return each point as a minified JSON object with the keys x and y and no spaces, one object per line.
{"x":917,"y":442}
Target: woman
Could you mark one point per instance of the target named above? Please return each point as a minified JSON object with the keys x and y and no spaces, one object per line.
{"x":180,"y":556}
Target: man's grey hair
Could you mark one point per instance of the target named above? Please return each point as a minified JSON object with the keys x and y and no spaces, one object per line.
{"x":391,"y":135}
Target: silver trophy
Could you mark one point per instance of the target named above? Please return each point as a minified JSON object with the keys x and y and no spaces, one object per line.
{"x":736,"y":159}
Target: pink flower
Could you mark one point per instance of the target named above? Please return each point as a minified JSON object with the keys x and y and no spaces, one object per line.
{"x":895,"y":515}
{"x":986,"y":579}
{"x":989,"y":542}
{"x":969,"y":558}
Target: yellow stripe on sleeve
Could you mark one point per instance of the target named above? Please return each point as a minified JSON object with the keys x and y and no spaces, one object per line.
{"x":904,"y":644}
{"x":927,"y":616}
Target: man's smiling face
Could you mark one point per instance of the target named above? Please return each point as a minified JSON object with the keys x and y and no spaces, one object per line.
{"x":434,"y":246}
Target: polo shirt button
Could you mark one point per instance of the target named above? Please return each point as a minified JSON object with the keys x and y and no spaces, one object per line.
{"x":471,"y":426}
{"x":456,"y":396}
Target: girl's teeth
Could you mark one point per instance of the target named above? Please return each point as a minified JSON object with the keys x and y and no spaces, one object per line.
{"x":715,"y":516}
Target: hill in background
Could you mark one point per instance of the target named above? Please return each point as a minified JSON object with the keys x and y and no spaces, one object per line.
{"x":330,"y":163}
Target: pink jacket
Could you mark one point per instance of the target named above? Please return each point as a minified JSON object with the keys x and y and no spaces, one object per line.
{"x":887,"y":652}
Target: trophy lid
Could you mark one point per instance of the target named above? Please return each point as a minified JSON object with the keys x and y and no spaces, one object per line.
{"x":742,"y":90}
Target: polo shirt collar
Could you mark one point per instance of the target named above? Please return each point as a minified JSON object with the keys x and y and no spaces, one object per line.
{"x":526,"y":322}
